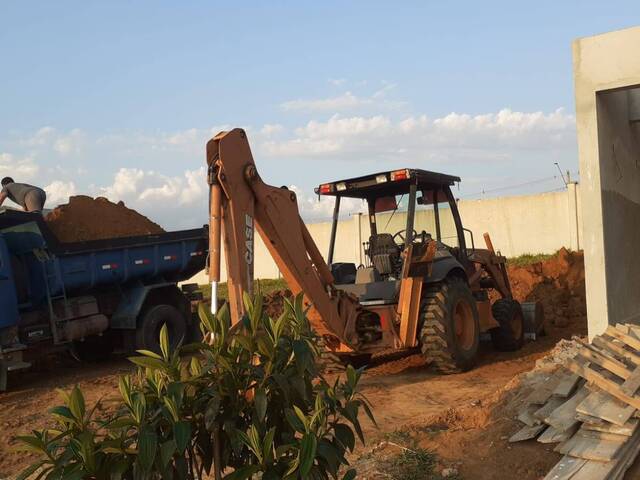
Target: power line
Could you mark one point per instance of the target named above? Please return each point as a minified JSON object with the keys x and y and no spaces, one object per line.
{"x":518,"y":185}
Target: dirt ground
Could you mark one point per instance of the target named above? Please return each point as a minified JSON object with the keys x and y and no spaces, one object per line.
{"x":465,"y":419}
{"x":85,"y":218}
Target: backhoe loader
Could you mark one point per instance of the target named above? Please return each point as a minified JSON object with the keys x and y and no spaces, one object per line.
{"x":419,"y":285}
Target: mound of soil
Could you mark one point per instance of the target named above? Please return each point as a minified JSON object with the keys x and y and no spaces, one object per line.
{"x":85,"y":218}
{"x":557,"y":283}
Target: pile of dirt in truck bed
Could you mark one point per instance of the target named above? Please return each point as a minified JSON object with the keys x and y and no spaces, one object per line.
{"x":557,"y":283}
{"x":85,"y":218}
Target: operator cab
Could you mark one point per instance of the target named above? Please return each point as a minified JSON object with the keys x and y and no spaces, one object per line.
{"x":405,"y":207}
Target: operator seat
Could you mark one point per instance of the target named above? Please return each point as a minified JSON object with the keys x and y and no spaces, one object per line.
{"x":384,"y":253}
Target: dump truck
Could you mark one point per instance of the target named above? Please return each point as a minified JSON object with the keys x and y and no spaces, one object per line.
{"x":91,"y":296}
{"x":423,"y":284}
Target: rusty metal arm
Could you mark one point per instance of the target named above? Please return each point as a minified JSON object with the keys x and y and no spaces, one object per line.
{"x":245,"y":204}
{"x":494,"y":265}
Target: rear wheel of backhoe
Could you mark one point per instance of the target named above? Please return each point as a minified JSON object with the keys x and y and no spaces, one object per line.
{"x":509,"y":336}
{"x":450,"y":330}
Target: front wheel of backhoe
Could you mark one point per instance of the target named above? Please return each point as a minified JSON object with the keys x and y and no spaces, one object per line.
{"x":450,"y":333}
{"x":509,"y":336}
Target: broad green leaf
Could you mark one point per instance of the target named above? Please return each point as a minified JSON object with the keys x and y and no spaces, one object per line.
{"x":148,"y":362}
{"x":327,"y":451}
{"x":182,"y":435}
{"x":31,"y":443}
{"x":164,"y":341}
{"x":62,"y":413}
{"x":307,"y":453}
{"x":350,"y":475}
{"x":30,"y":470}
{"x":260,"y":401}
{"x":149,"y":353}
{"x":244,"y":473}
{"x":167,"y":449}
{"x":267,"y":445}
{"x":212,"y":410}
{"x":76,"y":404}
{"x":147,"y":446}
{"x":345,"y":436}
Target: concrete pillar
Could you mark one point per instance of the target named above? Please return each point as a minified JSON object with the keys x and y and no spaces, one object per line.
{"x":572,"y":205}
{"x":605,"y":68}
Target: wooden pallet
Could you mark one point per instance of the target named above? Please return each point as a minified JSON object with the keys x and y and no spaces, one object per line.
{"x":590,"y":409}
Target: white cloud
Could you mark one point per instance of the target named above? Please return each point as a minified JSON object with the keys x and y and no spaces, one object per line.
{"x":71,"y":143}
{"x":342,"y":102}
{"x":313,"y":208}
{"x":347,"y":101}
{"x":337,"y":82}
{"x":455,"y":136}
{"x":58,"y":192}
{"x":21,"y":169}
{"x":174,"y":201}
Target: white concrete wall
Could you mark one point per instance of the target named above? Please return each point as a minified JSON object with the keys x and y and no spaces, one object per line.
{"x":605,"y":68}
{"x":541,"y":223}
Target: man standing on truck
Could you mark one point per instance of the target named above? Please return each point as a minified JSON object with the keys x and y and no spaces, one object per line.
{"x":27,"y":196}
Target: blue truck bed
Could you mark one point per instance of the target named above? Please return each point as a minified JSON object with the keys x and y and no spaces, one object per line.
{"x":68,"y":292}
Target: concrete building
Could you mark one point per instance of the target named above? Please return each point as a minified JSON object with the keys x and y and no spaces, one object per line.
{"x":607,"y":81}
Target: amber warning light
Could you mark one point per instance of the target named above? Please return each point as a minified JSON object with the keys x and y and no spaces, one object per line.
{"x":399,"y":175}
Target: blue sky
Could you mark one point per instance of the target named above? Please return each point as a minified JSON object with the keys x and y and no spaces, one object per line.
{"x":118,"y":98}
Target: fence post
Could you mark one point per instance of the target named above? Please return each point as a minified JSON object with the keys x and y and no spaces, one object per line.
{"x":574,"y":228}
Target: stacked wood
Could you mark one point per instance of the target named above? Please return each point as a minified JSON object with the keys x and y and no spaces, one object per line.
{"x":590,"y":408}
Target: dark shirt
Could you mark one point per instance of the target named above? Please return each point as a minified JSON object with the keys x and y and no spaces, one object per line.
{"x":18,"y":191}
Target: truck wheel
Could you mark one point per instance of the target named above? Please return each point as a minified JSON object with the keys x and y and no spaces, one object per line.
{"x":509,"y":336}
{"x":450,"y":330}
{"x":148,"y":333}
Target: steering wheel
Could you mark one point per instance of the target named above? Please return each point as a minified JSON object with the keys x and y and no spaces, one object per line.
{"x":400,"y":234}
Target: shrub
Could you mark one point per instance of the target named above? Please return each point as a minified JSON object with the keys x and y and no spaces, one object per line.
{"x":246,"y":402}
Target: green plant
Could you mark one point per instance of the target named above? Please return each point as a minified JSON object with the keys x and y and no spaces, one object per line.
{"x":412,"y":464}
{"x":266,"y":285}
{"x":248,"y":401}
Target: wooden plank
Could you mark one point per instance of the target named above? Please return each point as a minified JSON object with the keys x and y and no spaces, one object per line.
{"x":527,"y":433}
{"x":566,"y":468}
{"x":614,"y":366}
{"x":544,"y":390}
{"x":548,"y":408}
{"x":606,"y":342}
{"x":606,"y":384}
{"x":601,"y":405}
{"x":571,"y":468}
{"x":626,"y":457}
{"x":623,"y":337}
{"x":410,"y":310}
{"x":632,"y":383}
{"x":609,"y":437}
{"x":567,"y":385}
{"x":551,"y":435}
{"x":564,"y":417}
{"x":526,"y":416}
{"x":627,"y":429}
{"x":590,"y":448}
{"x":593,"y":470}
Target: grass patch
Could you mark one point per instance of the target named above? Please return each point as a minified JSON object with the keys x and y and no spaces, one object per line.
{"x":528,"y":259}
{"x":417,"y":464}
{"x":266,"y":286}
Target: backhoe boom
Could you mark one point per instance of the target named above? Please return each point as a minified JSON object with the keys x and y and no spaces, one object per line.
{"x":240,"y":203}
